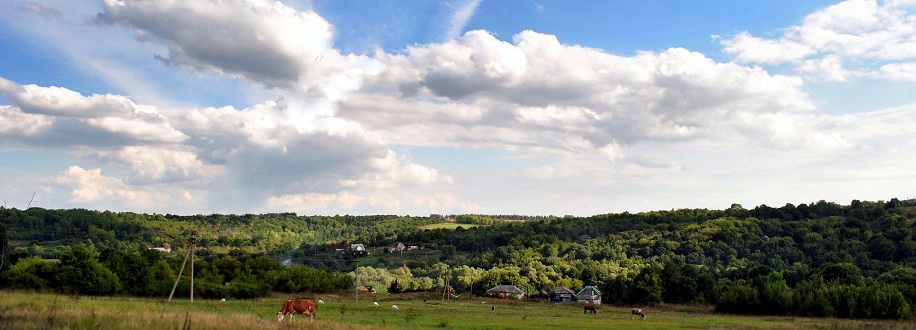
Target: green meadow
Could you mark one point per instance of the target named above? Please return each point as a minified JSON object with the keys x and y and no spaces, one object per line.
{"x":49,"y":311}
{"x":448,"y":225}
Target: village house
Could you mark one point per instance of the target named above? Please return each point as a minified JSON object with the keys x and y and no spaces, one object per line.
{"x":506,"y":291}
{"x":397,"y":247}
{"x":589,"y":294}
{"x":562,"y":294}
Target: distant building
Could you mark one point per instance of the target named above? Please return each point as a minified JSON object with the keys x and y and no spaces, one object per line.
{"x":164,"y":248}
{"x":357,"y":249}
{"x":589,"y":294}
{"x":397,"y":247}
{"x":562,"y":294}
{"x":506,"y":291}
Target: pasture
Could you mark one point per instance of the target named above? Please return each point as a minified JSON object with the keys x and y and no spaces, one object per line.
{"x":448,"y":225}
{"x":48,"y":311}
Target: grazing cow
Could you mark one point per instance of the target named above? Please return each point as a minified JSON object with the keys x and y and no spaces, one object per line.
{"x":637,"y":311}
{"x":589,"y":308}
{"x":298,"y":306}
{"x":394,"y":307}
{"x":375,"y":303}
{"x":222,"y":300}
{"x":320,"y":301}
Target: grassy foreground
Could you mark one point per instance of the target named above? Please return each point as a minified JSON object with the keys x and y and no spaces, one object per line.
{"x":48,"y":311}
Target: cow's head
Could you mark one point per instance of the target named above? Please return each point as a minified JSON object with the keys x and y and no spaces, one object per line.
{"x":279,"y":316}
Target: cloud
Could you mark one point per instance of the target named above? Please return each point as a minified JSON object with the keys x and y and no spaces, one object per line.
{"x":32,"y":7}
{"x":856,"y":33}
{"x":279,"y":146}
{"x":905,"y":71}
{"x":460,"y":17}
{"x":152,"y":164}
{"x":539,"y":94}
{"x":65,"y":117}
{"x":566,"y":121}
{"x":264,"y":41}
{"x":829,"y":68}
{"x":91,"y":187}
{"x":15,"y":123}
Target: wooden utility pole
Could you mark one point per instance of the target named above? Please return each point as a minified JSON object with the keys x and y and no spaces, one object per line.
{"x":447,"y":292}
{"x":356,"y":285}
{"x":191,"y":255}
{"x":193,"y":241}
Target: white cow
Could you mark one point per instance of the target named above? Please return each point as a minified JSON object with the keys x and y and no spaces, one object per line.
{"x":375,"y":303}
{"x":320,"y":301}
{"x":395,"y":307}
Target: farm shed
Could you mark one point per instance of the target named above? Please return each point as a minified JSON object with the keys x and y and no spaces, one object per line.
{"x":589,"y":294}
{"x":506,"y":291}
{"x":562,"y":294}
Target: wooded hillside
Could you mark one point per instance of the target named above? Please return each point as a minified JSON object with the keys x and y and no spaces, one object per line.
{"x":821,"y":258}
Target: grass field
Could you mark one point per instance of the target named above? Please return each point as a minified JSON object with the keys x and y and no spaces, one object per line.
{"x":49,"y":311}
{"x":448,"y":225}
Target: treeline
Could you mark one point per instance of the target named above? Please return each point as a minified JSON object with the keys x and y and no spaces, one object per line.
{"x":817,"y":259}
{"x":814,"y":259}
{"x":83,"y":270}
{"x":44,"y":232}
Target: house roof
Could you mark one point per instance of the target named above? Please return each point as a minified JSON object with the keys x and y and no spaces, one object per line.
{"x":563,"y":290}
{"x":590,"y":290}
{"x":506,"y":288}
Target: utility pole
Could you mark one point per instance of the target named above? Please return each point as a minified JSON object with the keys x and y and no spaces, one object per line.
{"x":356,"y":285}
{"x":193,"y":241}
{"x":447,"y":292}
{"x":191,"y":255}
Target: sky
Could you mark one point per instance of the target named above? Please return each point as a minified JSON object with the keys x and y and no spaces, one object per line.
{"x":328,"y":107}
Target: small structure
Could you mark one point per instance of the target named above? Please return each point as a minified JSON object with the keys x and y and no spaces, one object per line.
{"x":590,"y":295}
{"x":584,"y":238}
{"x":357,"y":249}
{"x":506,"y":291}
{"x":562,"y":294}
{"x":164,"y":248}
{"x":161,"y":249}
{"x":398,"y":247}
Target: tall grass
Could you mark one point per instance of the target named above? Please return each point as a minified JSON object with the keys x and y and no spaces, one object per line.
{"x":19,"y":310}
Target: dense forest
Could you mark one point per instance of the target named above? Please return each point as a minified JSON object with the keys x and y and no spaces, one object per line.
{"x":816,"y":259}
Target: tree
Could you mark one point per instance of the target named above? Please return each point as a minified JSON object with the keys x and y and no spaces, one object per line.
{"x":647,"y":286}
{"x":81,"y":272}
{"x":466,"y":278}
{"x":775,"y":294}
{"x":132,"y":269}
{"x":33,"y":273}
{"x":844,"y":273}
{"x":881,"y":248}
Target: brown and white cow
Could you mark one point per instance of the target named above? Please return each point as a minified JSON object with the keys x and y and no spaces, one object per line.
{"x":298,"y":306}
{"x":637,"y":311}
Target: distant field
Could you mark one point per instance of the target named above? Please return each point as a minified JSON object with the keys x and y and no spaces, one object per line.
{"x":447,"y":225}
{"x":48,"y":311}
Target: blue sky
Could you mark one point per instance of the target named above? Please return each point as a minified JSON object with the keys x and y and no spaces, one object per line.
{"x":418,"y":107}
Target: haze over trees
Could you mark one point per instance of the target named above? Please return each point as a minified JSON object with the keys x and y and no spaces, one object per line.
{"x":816,"y":259}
